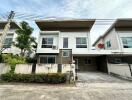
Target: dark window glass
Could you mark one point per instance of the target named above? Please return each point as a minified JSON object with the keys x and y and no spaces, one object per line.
{"x":47,"y":60}
{"x":81,"y":42}
{"x":51,"y":60}
{"x":127,"y":42}
{"x":108,"y":44}
{"x":7,"y":43}
{"x":47,"y":42}
{"x":87,"y":61}
{"x":65,"y":42}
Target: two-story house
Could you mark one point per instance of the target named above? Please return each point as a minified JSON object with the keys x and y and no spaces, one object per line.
{"x":66,"y":41}
{"x":11,"y":36}
{"x":117,"y":42}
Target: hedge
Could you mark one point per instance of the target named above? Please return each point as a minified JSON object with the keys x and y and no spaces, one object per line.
{"x":55,"y":78}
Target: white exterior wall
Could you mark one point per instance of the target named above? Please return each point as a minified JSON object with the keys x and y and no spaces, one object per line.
{"x":45,"y":34}
{"x":58,"y":41}
{"x":72,"y":41}
{"x":113,"y":38}
{"x":13,"y":49}
{"x":124,"y":34}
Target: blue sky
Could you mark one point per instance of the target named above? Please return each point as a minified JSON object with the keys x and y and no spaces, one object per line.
{"x":71,"y":9}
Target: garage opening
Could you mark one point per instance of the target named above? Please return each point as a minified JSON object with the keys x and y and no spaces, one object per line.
{"x":90,"y":63}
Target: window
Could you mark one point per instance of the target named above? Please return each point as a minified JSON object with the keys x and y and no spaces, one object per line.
{"x":87,"y":61}
{"x":127,"y":42}
{"x":47,"y":59}
{"x":7,"y":43}
{"x":108,"y":44}
{"x":81,"y":42}
{"x":65,"y":53}
{"x":47,"y":42}
{"x":65,"y":42}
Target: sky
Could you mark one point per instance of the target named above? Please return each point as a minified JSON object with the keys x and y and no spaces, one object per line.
{"x":95,"y":9}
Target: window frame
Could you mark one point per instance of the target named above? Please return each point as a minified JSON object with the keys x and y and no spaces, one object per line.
{"x":47,"y":42}
{"x":8,"y":44}
{"x":126,"y":44}
{"x":64,"y":42}
{"x":108,"y":44}
{"x":67,"y":53}
{"x":47,"y":56}
{"x":78,"y":45}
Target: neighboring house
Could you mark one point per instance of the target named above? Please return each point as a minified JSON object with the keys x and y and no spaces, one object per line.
{"x":66,"y":41}
{"x":11,"y":36}
{"x":117,"y":42}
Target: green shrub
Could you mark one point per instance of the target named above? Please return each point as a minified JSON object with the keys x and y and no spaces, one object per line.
{"x":12,"y":60}
{"x":35,"y":78}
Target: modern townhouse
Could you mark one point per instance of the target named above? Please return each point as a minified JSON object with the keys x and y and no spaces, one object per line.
{"x":66,"y":41}
{"x":116,"y":45}
{"x":117,"y":41}
{"x":11,"y":36}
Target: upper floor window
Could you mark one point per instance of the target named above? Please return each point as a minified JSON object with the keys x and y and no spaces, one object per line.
{"x":65,"y":42}
{"x":81,"y":42}
{"x":127,"y":42}
{"x":47,"y":42}
{"x":108,"y":44}
{"x":7,"y":43}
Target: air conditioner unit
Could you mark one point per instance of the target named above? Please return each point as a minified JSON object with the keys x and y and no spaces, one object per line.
{"x":54,"y":47}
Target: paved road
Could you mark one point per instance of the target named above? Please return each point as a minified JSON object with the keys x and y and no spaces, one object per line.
{"x":84,"y":90}
{"x":97,"y":77}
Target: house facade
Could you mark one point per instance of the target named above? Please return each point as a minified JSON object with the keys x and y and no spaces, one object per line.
{"x":10,"y":38}
{"x":66,"y":42}
{"x":117,"y":42}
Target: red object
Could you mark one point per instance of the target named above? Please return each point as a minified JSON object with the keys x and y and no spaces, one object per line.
{"x":100,"y":45}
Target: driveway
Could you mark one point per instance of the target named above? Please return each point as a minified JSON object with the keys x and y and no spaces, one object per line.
{"x":97,"y":77}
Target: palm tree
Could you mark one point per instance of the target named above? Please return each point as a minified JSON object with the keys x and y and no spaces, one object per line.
{"x":24,"y":39}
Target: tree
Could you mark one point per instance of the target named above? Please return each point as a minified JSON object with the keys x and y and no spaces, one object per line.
{"x":24,"y":40}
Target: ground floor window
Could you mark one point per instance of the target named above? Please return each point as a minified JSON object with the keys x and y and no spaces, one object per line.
{"x":47,"y":59}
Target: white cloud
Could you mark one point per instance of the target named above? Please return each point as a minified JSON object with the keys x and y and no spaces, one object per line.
{"x":73,"y":8}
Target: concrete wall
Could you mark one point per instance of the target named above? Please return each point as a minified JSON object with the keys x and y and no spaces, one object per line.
{"x":120,"y":69}
{"x":53,"y":68}
{"x":46,"y":68}
{"x":23,"y":68}
{"x":4,"y":68}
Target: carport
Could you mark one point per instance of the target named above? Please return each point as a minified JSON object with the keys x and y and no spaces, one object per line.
{"x":91,"y":63}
